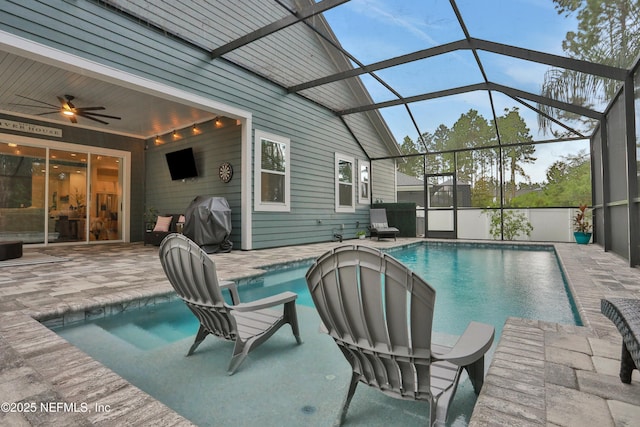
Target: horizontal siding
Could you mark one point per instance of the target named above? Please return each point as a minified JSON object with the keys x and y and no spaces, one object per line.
{"x":103,"y":36}
{"x":211,"y":148}
{"x":383,"y":181}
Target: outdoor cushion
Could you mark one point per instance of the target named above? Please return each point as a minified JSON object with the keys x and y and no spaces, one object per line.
{"x":163,"y":223}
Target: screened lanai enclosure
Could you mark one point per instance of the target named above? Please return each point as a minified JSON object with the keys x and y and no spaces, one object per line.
{"x":508,"y":114}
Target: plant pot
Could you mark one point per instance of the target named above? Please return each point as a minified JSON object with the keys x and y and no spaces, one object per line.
{"x":581,"y":237}
{"x":361,"y":237}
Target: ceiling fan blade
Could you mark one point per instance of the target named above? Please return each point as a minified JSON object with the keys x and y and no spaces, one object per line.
{"x":82,"y":113}
{"x":91,"y":118}
{"x":48,"y":112}
{"x":81,"y":109}
{"x":29,"y":105}
{"x":37,"y":100}
{"x":73,"y":119}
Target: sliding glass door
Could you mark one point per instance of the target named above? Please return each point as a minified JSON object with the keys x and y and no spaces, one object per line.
{"x":22,"y":197}
{"x":60,"y":194}
{"x":68,"y":195}
{"x":106,"y":193}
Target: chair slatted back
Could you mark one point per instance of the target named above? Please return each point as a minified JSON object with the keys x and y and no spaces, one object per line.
{"x":193,"y":276}
{"x":380,"y":314}
{"x":379,"y":216}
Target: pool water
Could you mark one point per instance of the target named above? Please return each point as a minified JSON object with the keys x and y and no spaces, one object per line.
{"x":486,"y":284}
{"x":491,"y":283}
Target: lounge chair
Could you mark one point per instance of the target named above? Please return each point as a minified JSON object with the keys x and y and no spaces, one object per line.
{"x":625,"y":314}
{"x":193,"y":275}
{"x":380,"y":314}
{"x":380,"y":226}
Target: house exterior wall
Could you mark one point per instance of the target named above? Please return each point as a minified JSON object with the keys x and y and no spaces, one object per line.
{"x":212,"y":145}
{"x":101,"y":35}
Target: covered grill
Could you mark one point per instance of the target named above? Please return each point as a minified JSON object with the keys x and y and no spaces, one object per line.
{"x":208,"y":223}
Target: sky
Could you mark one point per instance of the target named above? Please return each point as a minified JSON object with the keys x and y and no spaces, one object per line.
{"x":373,"y":30}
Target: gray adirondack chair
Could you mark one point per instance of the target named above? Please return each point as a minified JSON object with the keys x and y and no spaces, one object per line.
{"x":380,"y":313}
{"x":625,"y":314}
{"x":192,"y":274}
{"x":379,"y":224}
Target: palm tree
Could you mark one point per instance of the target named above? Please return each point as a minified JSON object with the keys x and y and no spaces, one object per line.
{"x":608,"y":33}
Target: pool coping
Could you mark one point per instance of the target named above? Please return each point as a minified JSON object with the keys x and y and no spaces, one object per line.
{"x":589,"y":273}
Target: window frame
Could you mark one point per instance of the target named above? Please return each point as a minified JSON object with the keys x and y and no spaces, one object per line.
{"x":364,"y":200}
{"x":344,"y":208}
{"x":259,"y":204}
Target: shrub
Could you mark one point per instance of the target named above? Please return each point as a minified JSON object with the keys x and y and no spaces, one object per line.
{"x":513,"y":224}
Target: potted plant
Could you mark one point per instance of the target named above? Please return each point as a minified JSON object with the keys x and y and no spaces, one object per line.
{"x":150,"y":217}
{"x":582,"y":226}
{"x":361,"y":234}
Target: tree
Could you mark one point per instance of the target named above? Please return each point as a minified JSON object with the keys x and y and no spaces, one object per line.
{"x":514,"y":130}
{"x":436,"y":143}
{"x":608,"y":33}
{"x":568,"y":184}
{"x":574,"y":186}
{"x":471,"y":130}
{"x":411,"y":166}
{"x":483,"y":192}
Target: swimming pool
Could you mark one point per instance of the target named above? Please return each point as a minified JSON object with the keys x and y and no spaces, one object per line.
{"x":305,"y":384}
{"x":485,"y":283}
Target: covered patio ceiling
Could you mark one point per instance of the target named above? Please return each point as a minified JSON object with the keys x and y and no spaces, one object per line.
{"x":423,"y":63}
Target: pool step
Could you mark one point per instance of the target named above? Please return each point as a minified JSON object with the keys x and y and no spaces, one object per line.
{"x":145,"y":338}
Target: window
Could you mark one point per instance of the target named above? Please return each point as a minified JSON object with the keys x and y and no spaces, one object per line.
{"x":364,"y":192}
{"x":272,"y":172}
{"x":344,"y":184}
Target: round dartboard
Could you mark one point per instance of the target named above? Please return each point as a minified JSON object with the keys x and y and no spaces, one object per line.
{"x":225,"y":171}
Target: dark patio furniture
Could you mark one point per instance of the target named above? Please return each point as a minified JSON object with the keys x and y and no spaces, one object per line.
{"x":10,"y":250}
{"x":154,"y":238}
{"x":625,"y":314}
{"x":379,"y":225}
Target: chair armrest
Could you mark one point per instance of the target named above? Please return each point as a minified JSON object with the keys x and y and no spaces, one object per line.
{"x":233,"y":290}
{"x":471,"y":346}
{"x":268,"y":302}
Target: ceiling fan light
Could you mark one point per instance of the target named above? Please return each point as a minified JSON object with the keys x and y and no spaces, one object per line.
{"x":68,"y":113}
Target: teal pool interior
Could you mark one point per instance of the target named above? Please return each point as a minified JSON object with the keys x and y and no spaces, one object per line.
{"x":486,"y":284}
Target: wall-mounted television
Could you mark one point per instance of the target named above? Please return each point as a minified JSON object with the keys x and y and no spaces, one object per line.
{"x":182,"y":164}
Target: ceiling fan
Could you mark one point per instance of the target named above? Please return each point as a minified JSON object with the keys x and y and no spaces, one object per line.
{"x":69,"y":110}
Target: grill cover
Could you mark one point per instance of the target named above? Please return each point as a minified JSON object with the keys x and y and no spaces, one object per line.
{"x":208,"y":223}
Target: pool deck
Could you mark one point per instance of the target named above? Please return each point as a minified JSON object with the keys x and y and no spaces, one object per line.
{"x":542,"y":374}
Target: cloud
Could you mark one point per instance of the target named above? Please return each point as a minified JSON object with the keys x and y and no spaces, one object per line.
{"x":380,"y":12}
